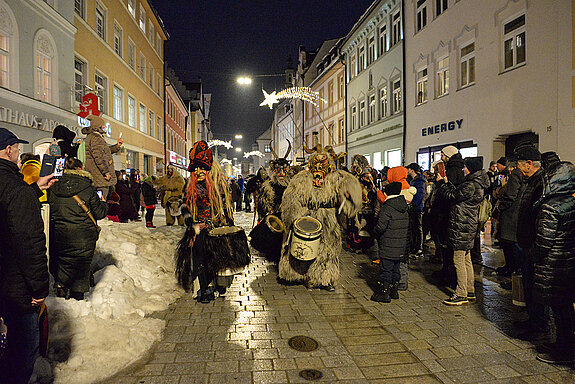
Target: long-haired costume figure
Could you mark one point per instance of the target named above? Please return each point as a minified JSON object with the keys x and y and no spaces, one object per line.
{"x":272,"y":190}
{"x":209,"y":206}
{"x":320,"y":192}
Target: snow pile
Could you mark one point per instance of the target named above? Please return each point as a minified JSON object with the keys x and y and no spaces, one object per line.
{"x":93,"y":339}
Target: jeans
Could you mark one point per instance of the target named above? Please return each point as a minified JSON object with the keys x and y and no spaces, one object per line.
{"x":150,"y":215}
{"x":23,"y":346}
{"x":417,"y":232}
{"x":389,"y":270}
{"x":464,"y":271}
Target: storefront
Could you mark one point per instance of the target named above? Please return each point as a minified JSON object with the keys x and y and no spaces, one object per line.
{"x":179,"y":162}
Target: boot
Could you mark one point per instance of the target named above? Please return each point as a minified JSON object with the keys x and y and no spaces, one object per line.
{"x":393,"y":290}
{"x":381,"y":295}
{"x":150,"y":225}
{"x":77,"y":295}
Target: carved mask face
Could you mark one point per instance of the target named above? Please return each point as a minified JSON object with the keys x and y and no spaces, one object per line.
{"x":200,"y":173}
{"x":320,"y":166}
{"x":280,"y":171}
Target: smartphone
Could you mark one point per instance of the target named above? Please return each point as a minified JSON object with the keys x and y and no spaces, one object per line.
{"x":59,"y":167}
{"x":100,"y":194}
{"x":441,"y":169}
{"x":48,"y":164}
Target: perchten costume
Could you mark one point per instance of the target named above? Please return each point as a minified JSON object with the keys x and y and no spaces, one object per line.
{"x":320,"y":192}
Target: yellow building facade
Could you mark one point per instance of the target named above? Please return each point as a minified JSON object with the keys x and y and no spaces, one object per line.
{"x":119,"y":56}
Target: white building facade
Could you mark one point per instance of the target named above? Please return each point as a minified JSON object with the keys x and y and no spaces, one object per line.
{"x":487,"y":75}
{"x":36,"y":69}
{"x":373,"y":53}
{"x":283,"y":130}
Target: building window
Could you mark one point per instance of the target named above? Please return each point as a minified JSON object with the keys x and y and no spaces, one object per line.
{"x":131,"y":112}
{"x":79,"y":79}
{"x":142,"y":118}
{"x":396,"y":96}
{"x":383,"y":102}
{"x":421,"y":86}
{"x":514,"y":42}
{"x":132,"y":8}
{"x":100,"y":21}
{"x":340,"y":87}
{"x":101,"y":86}
{"x":361,"y":113}
{"x":151,"y":121}
{"x":370,"y":50}
{"x":43,"y":77}
{"x":341,"y":125}
{"x":5,"y":58}
{"x":382,"y":39}
{"x":361,"y":59}
{"x":159,"y":128}
{"x":440,"y":7}
{"x":330,"y":129}
{"x":142,"y":20}
{"x":158,"y":44}
{"x":421,"y":15}
{"x":152,"y":77}
{"x":395,"y":28}
{"x":158,"y":84}
{"x":143,"y":67}
{"x":132,"y":55}
{"x":330,"y":93}
{"x":118,"y":40}
{"x":442,"y":77}
{"x":467,"y":65}
{"x":353,"y":117}
{"x":151,"y":32}
{"x":393,"y":158}
{"x":321,"y":103}
{"x":352,"y":66}
{"x":372,"y":106}
{"x":79,"y":6}
{"x":118,"y":103}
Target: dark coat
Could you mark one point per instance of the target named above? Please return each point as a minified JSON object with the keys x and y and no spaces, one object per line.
{"x":439,"y":213}
{"x":526,"y":217}
{"x":454,"y":169}
{"x":236,"y":191}
{"x":419,"y":183}
{"x":126,"y":192}
{"x":554,"y":247}
{"x":67,"y":137}
{"x":23,"y":261}
{"x":99,"y":161}
{"x":464,"y":199}
{"x":509,"y":206}
{"x":392,"y":229}
{"x":149,"y":193}
{"x":73,"y":234}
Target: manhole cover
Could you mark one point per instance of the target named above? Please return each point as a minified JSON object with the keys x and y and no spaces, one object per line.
{"x":303,"y":344}
{"x":311,"y":374}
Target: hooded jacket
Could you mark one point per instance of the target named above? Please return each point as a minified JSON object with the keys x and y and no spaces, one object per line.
{"x":554,"y":247}
{"x":99,"y":160}
{"x":73,"y":233}
{"x":464,"y":208}
{"x":392,"y":228}
{"x":23,"y":262}
{"x":399,"y":175}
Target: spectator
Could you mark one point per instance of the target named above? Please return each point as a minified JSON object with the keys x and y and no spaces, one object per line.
{"x":99,"y":160}
{"x":172,"y":186}
{"x":126,"y":190}
{"x":23,"y":262}
{"x":492,"y":173}
{"x":419,"y":182}
{"x":73,"y":231}
{"x":554,"y":257}
{"x":550,"y":160}
{"x":135,"y":183}
{"x":241,"y":183}
{"x":114,"y":210}
{"x":391,"y":231}
{"x":236,"y":193}
{"x":150,"y":200}
{"x":463,"y":225}
{"x":65,"y":139}
{"x":529,"y":163}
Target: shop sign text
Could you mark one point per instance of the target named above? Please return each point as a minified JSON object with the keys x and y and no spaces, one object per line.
{"x":440,"y":128}
{"x":30,"y":120}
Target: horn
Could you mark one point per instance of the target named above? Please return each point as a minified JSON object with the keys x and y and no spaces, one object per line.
{"x":288,"y":150}
{"x":272,"y":150}
{"x":309,"y":151}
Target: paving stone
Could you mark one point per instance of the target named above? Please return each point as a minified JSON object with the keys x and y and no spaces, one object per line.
{"x":502,"y":371}
{"x":395,"y":370}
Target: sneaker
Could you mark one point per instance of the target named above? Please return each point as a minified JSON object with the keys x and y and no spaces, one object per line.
{"x":471,"y":297}
{"x":557,"y":357}
{"x":456,"y":300}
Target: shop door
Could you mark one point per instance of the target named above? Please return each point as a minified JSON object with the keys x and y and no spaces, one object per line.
{"x":514,"y":141}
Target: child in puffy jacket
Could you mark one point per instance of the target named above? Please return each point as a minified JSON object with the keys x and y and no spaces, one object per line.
{"x":114,"y":209}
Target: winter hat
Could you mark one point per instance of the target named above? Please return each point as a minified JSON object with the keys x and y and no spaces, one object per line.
{"x":201,"y":156}
{"x":408,"y":193}
{"x":414,"y":167}
{"x":449,"y":151}
{"x":96,"y":121}
{"x":549,"y":159}
{"x":393,"y":188}
{"x":503,"y":161}
{"x":492,"y":163}
{"x":8,"y":138}
{"x":474,"y":164}
{"x":528,"y":153}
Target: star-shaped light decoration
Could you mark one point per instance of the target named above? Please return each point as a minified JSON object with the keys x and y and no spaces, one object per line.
{"x":269,"y":99}
{"x":227,"y":144}
{"x":253,"y":153}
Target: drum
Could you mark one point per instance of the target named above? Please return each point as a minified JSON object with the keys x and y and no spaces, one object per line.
{"x":267,"y":236}
{"x":305,"y":238}
{"x":227,"y":247}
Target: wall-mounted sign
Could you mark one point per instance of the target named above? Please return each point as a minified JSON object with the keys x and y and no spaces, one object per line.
{"x":89,"y":106}
{"x":30,"y":120}
{"x":177,"y":160}
{"x":440,"y":128}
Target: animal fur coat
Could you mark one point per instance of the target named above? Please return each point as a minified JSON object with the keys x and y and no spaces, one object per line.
{"x":301,"y":198}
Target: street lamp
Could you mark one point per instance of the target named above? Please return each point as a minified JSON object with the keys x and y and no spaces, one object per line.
{"x":238,"y":149}
{"x":239,"y":137}
{"x":244,"y":80}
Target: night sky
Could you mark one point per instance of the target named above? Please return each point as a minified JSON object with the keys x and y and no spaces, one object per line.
{"x":217,"y":40}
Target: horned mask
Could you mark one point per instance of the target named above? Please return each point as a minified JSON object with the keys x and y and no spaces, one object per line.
{"x":280,"y":167}
{"x":320,"y":164}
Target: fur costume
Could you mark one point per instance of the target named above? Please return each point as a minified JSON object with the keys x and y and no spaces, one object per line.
{"x":320,"y":193}
{"x":172,"y":185}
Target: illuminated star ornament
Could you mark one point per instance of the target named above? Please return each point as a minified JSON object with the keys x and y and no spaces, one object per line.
{"x":227,"y":144}
{"x":253,"y":153}
{"x":301,"y":93}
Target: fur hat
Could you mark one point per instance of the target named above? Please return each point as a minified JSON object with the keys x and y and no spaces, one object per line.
{"x":393,"y":188}
{"x":528,"y":153}
{"x":449,"y":151}
{"x":408,"y":194}
{"x":96,"y":121}
{"x":201,"y":156}
{"x":474,"y":164}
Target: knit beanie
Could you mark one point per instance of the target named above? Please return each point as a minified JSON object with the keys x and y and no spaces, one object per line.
{"x":502,"y":161}
{"x":474,"y":164}
{"x":393,"y":188}
{"x":449,"y":151}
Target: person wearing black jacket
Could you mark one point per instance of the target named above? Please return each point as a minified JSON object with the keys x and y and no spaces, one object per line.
{"x":73,"y":231}
{"x":150,"y":200}
{"x":23,"y":262}
{"x":392,"y":232}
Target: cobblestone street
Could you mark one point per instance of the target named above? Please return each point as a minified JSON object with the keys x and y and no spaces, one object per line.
{"x":243,"y":337}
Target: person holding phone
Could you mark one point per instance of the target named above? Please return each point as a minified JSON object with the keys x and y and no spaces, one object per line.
{"x":73,"y":231}
{"x":24,"y":276}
